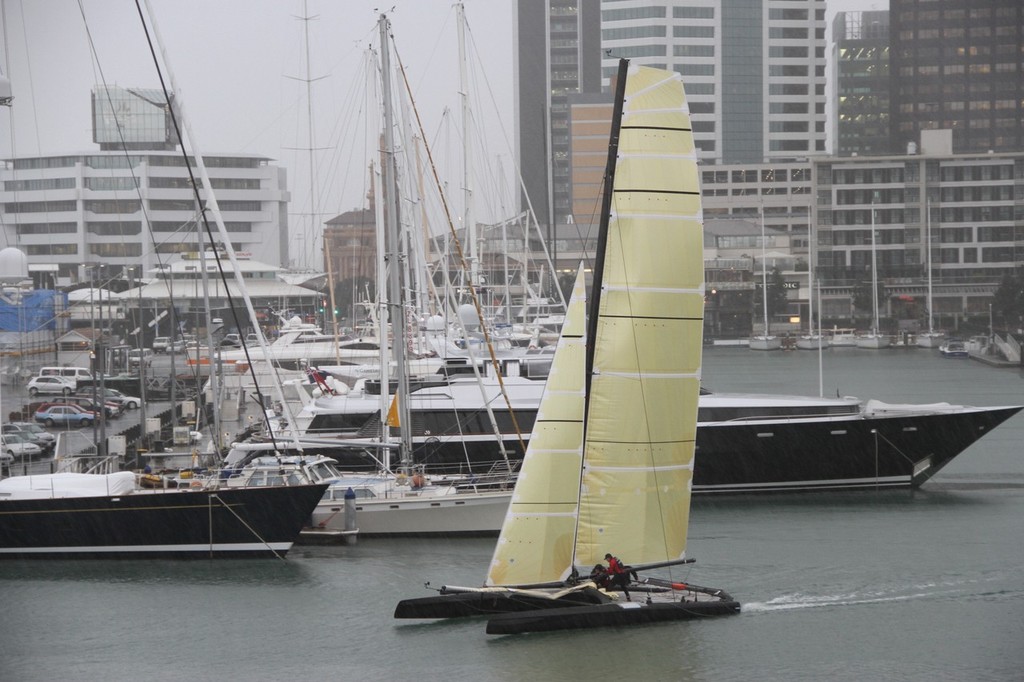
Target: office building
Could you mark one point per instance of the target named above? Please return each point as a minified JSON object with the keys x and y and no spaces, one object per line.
{"x":131,"y":202}
{"x":956,"y":64}
{"x":754,"y":71}
{"x":558,"y":48}
{"x":861,"y":75}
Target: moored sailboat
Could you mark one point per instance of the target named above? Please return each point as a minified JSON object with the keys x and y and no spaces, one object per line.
{"x":610,"y":463}
{"x":765,"y":340}
{"x":930,"y":338}
{"x":874,"y":339}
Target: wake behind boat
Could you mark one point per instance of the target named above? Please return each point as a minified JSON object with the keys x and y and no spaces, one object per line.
{"x":110,"y":516}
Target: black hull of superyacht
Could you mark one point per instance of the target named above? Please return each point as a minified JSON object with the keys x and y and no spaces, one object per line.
{"x":180,"y":524}
{"x":774,"y":450}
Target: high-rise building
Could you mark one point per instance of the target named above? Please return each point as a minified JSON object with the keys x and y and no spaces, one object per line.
{"x":754,"y":71}
{"x":131,"y":202}
{"x":956,"y":64}
{"x":861,"y":71}
{"x":558,"y":46}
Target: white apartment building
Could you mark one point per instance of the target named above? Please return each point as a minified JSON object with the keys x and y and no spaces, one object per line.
{"x":125,"y":210}
{"x":131,"y":201}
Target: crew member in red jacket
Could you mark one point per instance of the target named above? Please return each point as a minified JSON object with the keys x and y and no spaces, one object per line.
{"x":619,"y":574}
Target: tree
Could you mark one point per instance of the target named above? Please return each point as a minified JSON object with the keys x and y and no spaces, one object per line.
{"x":862,"y":296}
{"x":1008,"y":299}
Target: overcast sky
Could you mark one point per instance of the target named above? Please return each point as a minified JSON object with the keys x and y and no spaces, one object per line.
{"x":236,"y":65}
{"x":236,"y":62}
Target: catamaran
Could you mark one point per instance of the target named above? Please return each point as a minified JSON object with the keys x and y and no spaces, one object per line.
{"x":610,"y":462}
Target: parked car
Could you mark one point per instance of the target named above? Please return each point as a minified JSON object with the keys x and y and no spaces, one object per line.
{"x":65,"y":415}
{"x":51,"y":385}
{"x":161,"y":344}
{"x":232,"y":340}
{"x":18,"y":447}
{"x":143,"y":356}
{"x":6,"y":461}
{"x":110,"y":409}
{"x":33,"y":432}
{"x":126,"y":402}
{"x":176,"y":346}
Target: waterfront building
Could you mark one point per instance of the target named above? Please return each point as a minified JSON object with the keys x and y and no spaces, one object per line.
{"x":969,"y":201}
{"x":132,"y":204}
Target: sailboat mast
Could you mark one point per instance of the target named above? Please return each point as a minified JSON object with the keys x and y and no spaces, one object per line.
{"x":396,"y":311}
{"x":467,"y":191}
{"x":606,"y":211}
{"x":810,"y":279}
{"x":764,"y":275}
{"x":874,"y":271}
{"x":928,"y":258}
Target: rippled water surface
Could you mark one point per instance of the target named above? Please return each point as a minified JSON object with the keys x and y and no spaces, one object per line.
{"x":923,"y":585}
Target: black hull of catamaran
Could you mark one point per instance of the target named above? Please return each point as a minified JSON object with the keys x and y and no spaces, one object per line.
{"x":843,"y":452}
{"x":608,"y":615}
{"x":468,"y":604}
{"x":181,"y":524}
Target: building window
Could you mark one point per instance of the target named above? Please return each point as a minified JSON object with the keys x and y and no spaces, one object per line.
{"x":40,"y":206}
{"x":116,"y":250}
{"x":115,"y":228}
{"x":112,"y":184}
{"x":38,"y":184}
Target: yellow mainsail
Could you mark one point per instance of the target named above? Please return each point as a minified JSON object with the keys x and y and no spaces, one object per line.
{"x":641,"y":422}
{"x":609,"y":466}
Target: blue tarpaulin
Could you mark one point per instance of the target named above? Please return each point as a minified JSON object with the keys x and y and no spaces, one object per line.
{"x":34,"y":311}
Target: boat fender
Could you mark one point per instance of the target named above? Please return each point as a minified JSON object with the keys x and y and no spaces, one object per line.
{"x":196,"y":484}
{"x":418,"y":481}
{"x":401,"y":479}
{"x":680,"y":586}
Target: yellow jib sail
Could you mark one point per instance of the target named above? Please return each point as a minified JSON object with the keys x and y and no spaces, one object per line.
{"x":536,"y":541}
{"x":642,"y":414}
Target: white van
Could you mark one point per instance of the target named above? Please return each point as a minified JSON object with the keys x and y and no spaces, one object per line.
{"x":74,"y":373}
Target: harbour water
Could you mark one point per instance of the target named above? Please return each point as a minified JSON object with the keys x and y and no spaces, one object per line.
{"x":923,"y":585}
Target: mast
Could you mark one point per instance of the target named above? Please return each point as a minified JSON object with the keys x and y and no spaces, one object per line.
{"x":396,"y":313}
{"x":467,"y":191}
{"x":928,"y":258}
{"x":874,"y":271}
{"x":606,"y":211}
{"x":764,"y":275}
{"x":810,"y":278}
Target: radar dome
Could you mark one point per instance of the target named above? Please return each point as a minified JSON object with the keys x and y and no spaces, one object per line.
{"x":468,"y":317}
{"x":13,"y":265}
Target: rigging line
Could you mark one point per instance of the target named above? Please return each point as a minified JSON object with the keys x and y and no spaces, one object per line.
{"x":206,"y":224}
{"x":465,"y":267}
{"x":215,"y":496}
